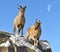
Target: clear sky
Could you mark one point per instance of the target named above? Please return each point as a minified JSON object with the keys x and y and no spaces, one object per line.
{"x":47,"y":11}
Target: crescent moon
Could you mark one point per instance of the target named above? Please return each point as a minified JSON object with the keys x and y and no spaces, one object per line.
{"x":49,"y":8}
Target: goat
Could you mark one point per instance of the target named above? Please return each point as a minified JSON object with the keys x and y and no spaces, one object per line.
{"x":34,"y":32}
{"x":19,"y":20}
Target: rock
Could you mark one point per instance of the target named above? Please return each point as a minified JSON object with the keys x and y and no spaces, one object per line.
{"x":21,"y":44}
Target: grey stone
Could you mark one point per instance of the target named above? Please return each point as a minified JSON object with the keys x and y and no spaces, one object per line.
{"x":4,"y":36}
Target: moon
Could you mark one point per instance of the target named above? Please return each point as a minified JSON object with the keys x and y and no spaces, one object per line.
{"x":49,"y":8}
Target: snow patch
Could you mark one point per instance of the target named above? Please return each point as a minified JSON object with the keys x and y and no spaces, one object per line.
{"x":16,"y":39}
{"x":21,"y":41}
{"x":6,"y":44}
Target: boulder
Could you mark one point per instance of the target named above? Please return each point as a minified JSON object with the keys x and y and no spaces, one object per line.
{"x":13,"y":43}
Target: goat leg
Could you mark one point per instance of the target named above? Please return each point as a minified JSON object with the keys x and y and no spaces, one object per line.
{"x":22,"y":31}
{"x":14,"y":28}
{"x":19,"y":30}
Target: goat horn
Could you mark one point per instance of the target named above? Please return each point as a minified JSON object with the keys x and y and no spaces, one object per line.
{"x":39,"y":20}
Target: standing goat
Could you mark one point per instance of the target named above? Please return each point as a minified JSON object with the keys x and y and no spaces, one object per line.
{"x":34,"y":32}
{"x":19,"y":20}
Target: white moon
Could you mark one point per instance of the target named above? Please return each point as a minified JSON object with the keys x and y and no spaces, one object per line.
{"x":49,"y":8}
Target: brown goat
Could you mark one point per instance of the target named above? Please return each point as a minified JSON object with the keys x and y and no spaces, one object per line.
{"x":34,"y":32}
{"x":19,"y":20}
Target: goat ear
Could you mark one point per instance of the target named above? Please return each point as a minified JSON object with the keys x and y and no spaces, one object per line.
{"x":39,"y":20}
{"x":19,"y":6}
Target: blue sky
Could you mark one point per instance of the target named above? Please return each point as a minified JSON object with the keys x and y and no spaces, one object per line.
{"x":47,"y":11}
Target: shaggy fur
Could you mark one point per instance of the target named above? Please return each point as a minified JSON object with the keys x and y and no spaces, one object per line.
{"x":34,"y":32}
{"x":19,"y":20}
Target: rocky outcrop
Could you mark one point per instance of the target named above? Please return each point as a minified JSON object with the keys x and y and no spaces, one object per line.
{"x":12,"y":43}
